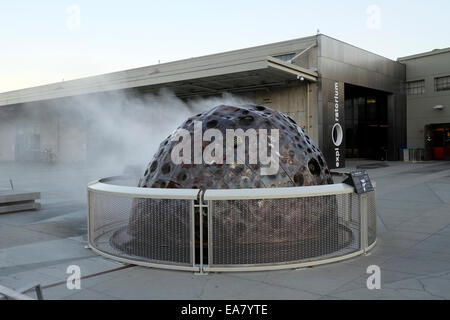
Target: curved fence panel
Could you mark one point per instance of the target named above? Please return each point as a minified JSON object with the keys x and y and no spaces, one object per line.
{"x":273,"y":231}
{"x":143,"y":226}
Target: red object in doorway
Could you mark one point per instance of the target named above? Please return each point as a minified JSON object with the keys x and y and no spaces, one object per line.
{"x":438,"y":153}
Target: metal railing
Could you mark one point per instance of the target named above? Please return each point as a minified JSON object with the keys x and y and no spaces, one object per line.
{"x":229,"y":229}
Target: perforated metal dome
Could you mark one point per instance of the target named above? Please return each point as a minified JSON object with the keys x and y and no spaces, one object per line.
{"x":301,"y":162}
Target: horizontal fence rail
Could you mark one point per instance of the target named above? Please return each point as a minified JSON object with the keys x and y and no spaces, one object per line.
{"x":229,"y":229}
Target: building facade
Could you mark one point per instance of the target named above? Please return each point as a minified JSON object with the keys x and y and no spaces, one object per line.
{"x":351,"y":101}
{"x":428,"y":100}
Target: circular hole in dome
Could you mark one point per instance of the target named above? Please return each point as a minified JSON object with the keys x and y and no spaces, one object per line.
{"x":182,"y":176}
{"x":307,"y":138}
{"x":211,"y":124}
{"x":320,"y":161}
{"x":283,"y":127}
{"x":245,"y":121}
{"x":165,"y":168}
{"x":298,"y":179}
{"x":245,"y":181}
{"x":309,"y":150}
{"x":146,"y":172}
{"x":245,"y":112}
{"x":314,"y":167}
{"x":297,"y":138}
{"x":153,"y":166}
{"x":260,"y":108}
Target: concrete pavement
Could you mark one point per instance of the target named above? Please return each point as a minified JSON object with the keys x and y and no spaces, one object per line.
{"x":413,"y":249}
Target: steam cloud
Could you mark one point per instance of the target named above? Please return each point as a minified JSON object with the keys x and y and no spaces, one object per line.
{"x":135,"y":126}
{"x":117,"y":130}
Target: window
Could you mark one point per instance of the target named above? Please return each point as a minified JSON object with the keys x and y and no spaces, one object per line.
{"x":415,"y":87}
{"x":442,"y":83}
{"x":285,"y":57}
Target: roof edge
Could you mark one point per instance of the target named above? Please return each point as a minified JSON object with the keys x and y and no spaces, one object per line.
{"x":424,"y":54}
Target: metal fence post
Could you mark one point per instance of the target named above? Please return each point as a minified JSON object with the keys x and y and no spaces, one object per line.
{"x":210,"y":235}
{"x":201,"y":233}
{"x":89,"y":225}
{"x":193,"y":232}
{"x":200,"y":220}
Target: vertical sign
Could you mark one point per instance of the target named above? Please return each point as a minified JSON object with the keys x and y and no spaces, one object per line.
{"x":334,"y":144}
{"x":337,"y":134}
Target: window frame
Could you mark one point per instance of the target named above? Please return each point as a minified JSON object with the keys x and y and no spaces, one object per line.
{"x":445,"y":85}
{"x":417,"y":90}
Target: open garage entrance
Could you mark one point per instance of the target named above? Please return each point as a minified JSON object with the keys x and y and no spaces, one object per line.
{"x":366,"y":123}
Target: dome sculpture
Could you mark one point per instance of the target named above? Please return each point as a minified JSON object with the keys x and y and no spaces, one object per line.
{"x":296,"y":220}
{"x":301,"y":162}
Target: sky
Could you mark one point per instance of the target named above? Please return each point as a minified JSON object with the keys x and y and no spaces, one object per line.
{"x":46,"y":41}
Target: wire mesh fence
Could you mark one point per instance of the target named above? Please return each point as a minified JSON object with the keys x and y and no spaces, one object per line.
{"x":245,"y":230}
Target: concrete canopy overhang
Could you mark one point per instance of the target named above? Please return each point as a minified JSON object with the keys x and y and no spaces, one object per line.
{"x":264,"y":74}
{"x":183,"y":79}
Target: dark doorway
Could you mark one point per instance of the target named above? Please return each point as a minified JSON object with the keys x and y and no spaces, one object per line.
{"x":437,"y":141}
{"x":366,"y":123}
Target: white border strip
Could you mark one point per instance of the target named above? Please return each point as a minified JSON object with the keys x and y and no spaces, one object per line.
{"x":278,"y":193}
{"x":136,"y":192}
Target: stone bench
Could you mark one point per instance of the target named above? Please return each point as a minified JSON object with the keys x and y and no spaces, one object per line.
{"x":13,"y":201}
